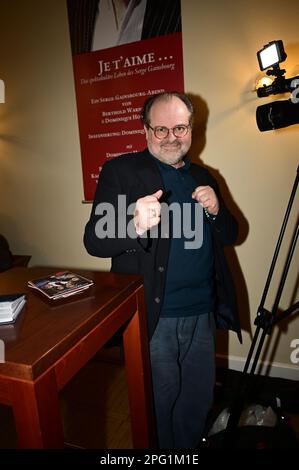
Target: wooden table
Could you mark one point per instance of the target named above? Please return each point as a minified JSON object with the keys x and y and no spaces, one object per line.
{"x":52,"y":340}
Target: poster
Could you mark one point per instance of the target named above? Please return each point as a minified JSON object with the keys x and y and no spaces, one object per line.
{"x":111,"y":86}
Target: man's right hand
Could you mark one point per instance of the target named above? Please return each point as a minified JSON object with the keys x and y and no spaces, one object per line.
{"x":147,"y":212}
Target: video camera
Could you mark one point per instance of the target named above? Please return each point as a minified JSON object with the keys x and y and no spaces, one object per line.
{"x":277,"y":114}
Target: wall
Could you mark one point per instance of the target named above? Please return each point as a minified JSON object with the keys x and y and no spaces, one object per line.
{"x":259,"y":168}
{"x":40,"y":168}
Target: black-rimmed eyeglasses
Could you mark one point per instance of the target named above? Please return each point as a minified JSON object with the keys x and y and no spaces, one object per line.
{"x":162,"y":132}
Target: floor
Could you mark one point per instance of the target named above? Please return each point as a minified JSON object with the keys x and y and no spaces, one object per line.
{"x":94,"y":405}
{"x":95,"y":411}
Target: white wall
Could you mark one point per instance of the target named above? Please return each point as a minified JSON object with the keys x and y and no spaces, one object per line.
{"x":41,"y":181}
{"x":221,"y":39}
{"x":41,"y":210}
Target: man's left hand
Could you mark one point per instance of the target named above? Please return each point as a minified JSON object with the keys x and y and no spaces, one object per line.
{"x":206,"y":196}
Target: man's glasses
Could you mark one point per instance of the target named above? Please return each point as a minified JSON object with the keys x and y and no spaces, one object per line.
{"x":162,"y":132}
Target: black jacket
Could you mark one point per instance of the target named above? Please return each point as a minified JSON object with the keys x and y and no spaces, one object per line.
{"x":135,"y":176}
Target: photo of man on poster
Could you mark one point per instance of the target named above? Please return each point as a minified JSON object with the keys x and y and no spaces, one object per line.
{"x":99,"y":24}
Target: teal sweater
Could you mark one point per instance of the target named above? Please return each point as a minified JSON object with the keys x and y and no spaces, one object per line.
{"x":189,"y":280}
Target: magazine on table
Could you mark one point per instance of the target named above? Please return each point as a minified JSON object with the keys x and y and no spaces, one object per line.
{"x":61,"y":284}
{"x":10,"y":307}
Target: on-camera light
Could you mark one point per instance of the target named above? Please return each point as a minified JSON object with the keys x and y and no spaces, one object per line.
{"x":271,"y":54}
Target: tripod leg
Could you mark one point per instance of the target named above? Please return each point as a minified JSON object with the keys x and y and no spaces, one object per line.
{"x":265,"y":320}
{"x":280,"y":238}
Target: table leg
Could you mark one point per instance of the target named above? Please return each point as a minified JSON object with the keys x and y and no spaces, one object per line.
{"x":138,"y":375}
{"x":36,"y":412}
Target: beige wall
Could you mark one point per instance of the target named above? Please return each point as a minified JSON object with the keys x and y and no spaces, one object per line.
{"x":40,"y":167}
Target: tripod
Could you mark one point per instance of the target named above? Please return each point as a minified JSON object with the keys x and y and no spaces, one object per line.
{"x":265,"y":320}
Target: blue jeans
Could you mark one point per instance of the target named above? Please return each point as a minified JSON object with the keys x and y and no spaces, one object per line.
{"x":182,"y":352}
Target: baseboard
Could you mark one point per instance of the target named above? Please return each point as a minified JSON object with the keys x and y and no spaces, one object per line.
{"x":275,"y":369}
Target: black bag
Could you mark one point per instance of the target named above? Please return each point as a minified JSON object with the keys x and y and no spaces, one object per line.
{"x":262,"y":424}
{"x":271,"y":431}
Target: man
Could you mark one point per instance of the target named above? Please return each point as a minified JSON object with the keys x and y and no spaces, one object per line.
{"x":98,"y":24}
{"x":187,"y":287}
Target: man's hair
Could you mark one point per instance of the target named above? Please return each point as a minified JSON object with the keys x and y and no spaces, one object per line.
{"x":165,"y":96}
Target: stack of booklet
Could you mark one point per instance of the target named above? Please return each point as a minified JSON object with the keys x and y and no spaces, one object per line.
{"x":10,"y":307}
{"x":61,"y":284}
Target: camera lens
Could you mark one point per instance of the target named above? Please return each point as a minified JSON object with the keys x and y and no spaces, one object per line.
{"x":276,"y":115}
